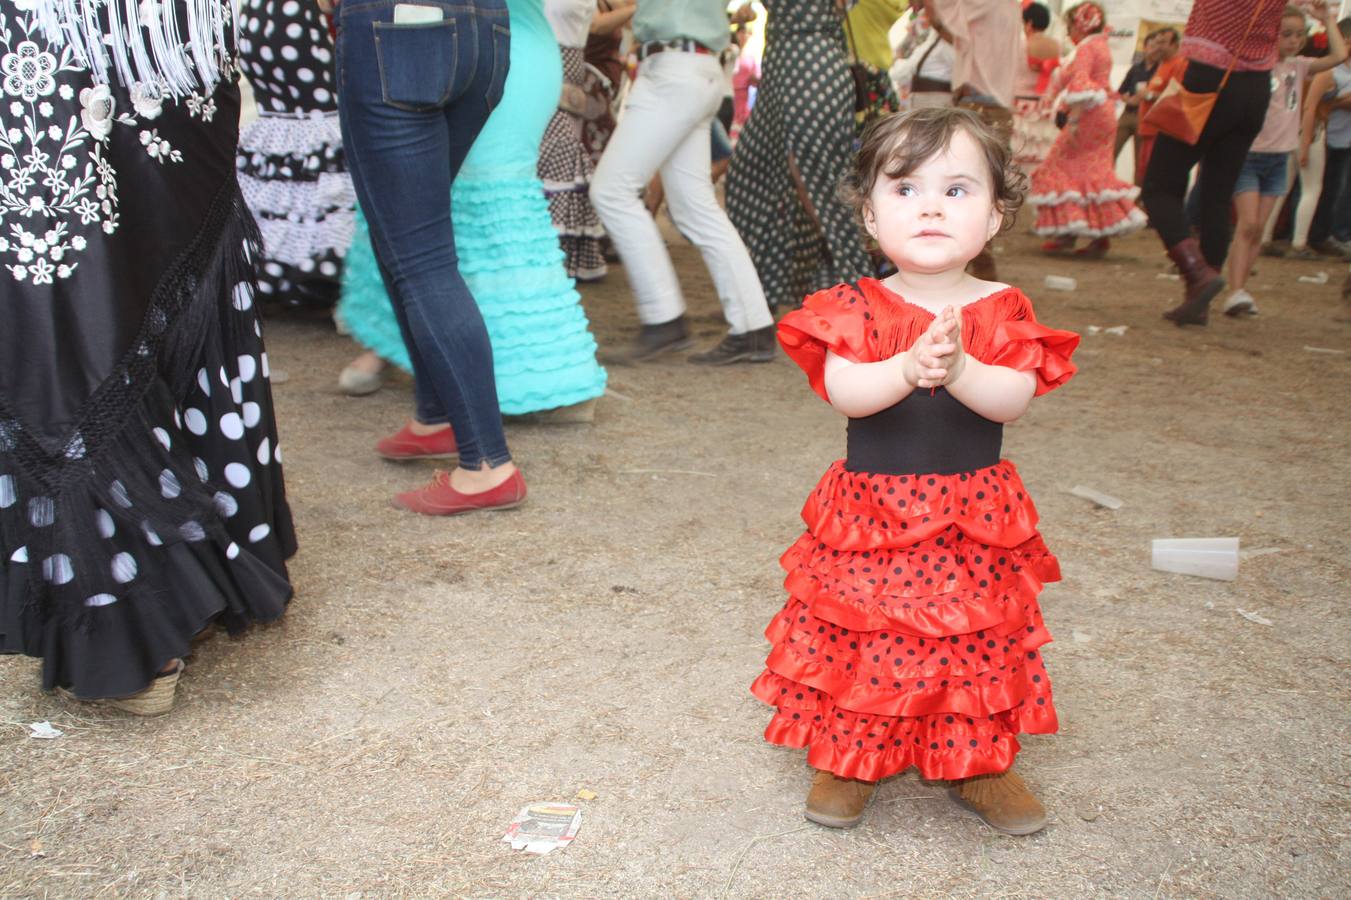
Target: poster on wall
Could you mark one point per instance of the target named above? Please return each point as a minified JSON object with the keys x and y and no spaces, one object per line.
{"x":1131,"y":20}
{"x":1123,"y":19}
{"x":1156,"y":14}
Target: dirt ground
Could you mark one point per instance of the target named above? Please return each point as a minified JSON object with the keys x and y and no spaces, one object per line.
{"x":433,"y":676}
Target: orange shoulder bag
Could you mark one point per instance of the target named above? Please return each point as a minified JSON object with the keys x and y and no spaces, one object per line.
{"x":1183,"y":114}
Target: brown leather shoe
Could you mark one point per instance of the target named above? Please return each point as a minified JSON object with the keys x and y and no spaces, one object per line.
{"x":1002,"y":801}
{"x":838,"y":802}
{"x":1202,"y":283}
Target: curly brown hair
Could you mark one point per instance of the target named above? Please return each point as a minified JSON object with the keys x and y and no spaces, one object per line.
{"x":898,"y":144}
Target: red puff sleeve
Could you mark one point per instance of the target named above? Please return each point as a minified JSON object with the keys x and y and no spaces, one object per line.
{"x":830,"y":320}
{"x":1020,"y":342}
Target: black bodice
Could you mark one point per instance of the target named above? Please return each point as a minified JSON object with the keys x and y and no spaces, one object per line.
{"x":929,"y":432}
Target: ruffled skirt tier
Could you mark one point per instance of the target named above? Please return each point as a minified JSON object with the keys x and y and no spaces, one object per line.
{"x":1075,"y":191}
{"x":565,"y":168}
{"x":544,"y":355}
{"x":912,"y":632}
{"x":294,"y":177}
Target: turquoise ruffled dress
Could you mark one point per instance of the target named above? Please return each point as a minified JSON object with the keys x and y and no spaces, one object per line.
{"x":544,"y":355}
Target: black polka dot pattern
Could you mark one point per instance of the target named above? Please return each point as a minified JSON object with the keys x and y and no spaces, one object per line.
{"x":912,"y":634}
{"x":290,"y":161}
{"x":803,"y":108}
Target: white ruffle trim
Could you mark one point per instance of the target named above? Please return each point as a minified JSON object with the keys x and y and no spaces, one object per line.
{"x":295,"y":134}
{"x":298,"y":243}
{"x":298,"y":200}
{"x":587,"y":231}
{"x":302,"y":220}
{"x":1132,"y":223}
{"x":1087,"y":99}
{"x":564,"y":187}
{"x":1130,"y":192}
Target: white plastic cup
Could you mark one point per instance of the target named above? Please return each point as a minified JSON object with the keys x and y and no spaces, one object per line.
{"x":1207,"y":557}
{"x":1060,"y":283}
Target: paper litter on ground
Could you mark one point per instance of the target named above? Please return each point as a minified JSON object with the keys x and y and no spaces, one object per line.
{"x":1324,"y":350}
{"x":1320,"y":278}
{"x":44,"y":731}
{"x":543,"y":827}
{"x":1106,"y":501}
{"x":1254,"y":617}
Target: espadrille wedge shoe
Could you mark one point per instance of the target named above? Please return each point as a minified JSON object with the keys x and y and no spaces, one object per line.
{"x":155,"y":700}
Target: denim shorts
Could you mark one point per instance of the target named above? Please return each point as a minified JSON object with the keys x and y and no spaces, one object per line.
{"x":1264,"y":173}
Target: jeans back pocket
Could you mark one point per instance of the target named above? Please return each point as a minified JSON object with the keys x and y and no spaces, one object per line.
{"x":417,"y":63}
{"x":501,"y":37}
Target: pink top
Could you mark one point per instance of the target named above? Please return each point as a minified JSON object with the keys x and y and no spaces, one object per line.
{"x":1215,"y":34}
{"x":1087,"y":78}
{"x":988,"y":38}
{"x":746,"y":76}
{"x":1280,"y":130}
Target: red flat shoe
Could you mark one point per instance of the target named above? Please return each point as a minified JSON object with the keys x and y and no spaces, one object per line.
{"x":440,"y":499}
{"x":1057,"y":245}
{"x":404,"y":444}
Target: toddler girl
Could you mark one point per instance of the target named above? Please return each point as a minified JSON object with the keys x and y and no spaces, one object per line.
{"x":911,"y":634}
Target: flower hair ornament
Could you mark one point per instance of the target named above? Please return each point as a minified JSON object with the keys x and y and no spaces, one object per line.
{"x":1087,"y":18}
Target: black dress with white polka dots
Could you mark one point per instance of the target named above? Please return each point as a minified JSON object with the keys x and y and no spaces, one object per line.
{"x":141,"y":491}
{"x":912,"y":632}
{"x":291,"y":165}
{"x":804,"y":108}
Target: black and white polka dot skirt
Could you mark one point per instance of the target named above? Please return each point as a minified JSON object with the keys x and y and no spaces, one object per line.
{"x":290,"y":160}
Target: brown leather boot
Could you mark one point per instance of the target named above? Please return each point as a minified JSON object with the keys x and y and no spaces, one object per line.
{"x":1203,"y":283}
{"x":838,"y":802}
{"x":1003,"y":801}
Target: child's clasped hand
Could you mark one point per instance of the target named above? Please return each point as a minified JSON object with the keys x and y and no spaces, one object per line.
{"x":936,"y":358}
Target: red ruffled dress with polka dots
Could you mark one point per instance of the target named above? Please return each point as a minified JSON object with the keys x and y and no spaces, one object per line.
{"x":912,"y":633}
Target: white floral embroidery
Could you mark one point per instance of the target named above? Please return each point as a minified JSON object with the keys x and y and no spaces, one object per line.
{"x":97,"y":114}
{"x":202,"y":107}
{"x":147,"y":98}
{"x":55,"y":178}
{"x":158,"y":148}
{"x":28,"y":71}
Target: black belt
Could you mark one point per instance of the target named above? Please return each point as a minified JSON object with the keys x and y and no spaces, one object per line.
{"x":927,"y":433}
{"x":921,"y":85}
{"x":684,"y":45}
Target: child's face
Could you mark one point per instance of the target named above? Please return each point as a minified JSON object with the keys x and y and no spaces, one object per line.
{"x":939,"y":217}
{"x":1291,"y":36}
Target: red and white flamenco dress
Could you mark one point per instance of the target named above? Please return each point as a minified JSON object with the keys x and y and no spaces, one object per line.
{"x":1075,"y":191}
{"x":912,"y":633}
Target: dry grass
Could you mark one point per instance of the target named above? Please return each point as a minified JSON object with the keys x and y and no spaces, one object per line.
{"x":434,"y":676}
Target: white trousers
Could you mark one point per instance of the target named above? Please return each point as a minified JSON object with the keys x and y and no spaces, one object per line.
{"x":665,"y":127}
{"x":1310,"y":188}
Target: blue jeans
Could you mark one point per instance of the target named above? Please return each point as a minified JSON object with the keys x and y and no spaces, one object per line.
{"x":1331,"y":217}
{"x":412,"y":96}
{"x":1266,"y":174}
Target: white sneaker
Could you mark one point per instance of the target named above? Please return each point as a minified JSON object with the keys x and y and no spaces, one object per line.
{"x":356,"y":382}
{"x":1240,"y":303}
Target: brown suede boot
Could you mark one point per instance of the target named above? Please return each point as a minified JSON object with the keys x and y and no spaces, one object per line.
{"x":838,"y":802}
{"x":1203,"y":283}
{"x":1003,"y":801}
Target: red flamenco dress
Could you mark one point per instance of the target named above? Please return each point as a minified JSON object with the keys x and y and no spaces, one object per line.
{"x":912,"y":634}
{"x":1075,"y":190}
